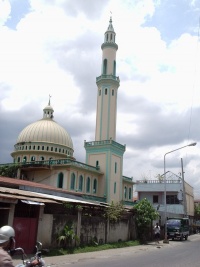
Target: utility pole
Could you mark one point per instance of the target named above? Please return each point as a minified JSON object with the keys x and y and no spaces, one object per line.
{"x":184,"y":196}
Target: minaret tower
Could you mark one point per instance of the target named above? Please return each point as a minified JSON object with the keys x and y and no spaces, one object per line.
{"x":107,"y":84}
{"x":105,"y":153}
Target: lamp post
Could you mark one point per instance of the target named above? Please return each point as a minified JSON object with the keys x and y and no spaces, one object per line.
{"x":165,"y":191}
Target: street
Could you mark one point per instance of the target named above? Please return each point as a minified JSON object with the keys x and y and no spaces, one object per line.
{"x":174,"y":254}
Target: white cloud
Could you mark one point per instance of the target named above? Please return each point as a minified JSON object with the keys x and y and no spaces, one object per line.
{"x":56,"y":50}
{"x":5,"y":9}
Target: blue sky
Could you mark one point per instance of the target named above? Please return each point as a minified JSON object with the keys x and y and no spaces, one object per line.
{"x":54,"y":47}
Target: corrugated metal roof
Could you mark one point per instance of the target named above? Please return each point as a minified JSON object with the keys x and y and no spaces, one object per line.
{"x":25,"y":186}
{"x":39,"y":197}
{"x":71,"y":200}
{"x":11,"y":193}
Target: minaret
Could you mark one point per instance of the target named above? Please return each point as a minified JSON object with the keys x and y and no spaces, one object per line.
{"x":107,"y":84}
{"x":105,"y":153}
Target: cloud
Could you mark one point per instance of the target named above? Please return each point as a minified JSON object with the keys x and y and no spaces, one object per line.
{"x":54,"y":47}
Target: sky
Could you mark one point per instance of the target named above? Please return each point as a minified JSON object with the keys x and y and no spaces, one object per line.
{"x":53,"y":47}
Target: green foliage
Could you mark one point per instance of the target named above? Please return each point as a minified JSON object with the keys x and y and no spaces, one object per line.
{"x":9,"y":171}
{"x":145,"y":214}
{"x":84,"y":249}
{"x":114,"y":211}
{"x":68,"y":205}
{"x":66,"y":235}
{"x":197,"y":210}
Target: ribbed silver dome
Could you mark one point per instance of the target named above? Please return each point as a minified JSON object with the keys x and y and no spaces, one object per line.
{"x":45,"y":130}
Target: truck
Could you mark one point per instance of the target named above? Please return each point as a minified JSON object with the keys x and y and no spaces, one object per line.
{"x":178,"y":228}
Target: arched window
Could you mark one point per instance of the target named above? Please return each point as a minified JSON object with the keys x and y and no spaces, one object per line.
{"x":60,"y":180}
{"x":32,"y":158}
{"x":72,"y":184}
{"x":114,"y":68}
{"x":125,"y":192}
{"x":41,"y":158}
{"x":18,"y":159}
{"x":95,"y":186}
{"x":106,"y":91}
{"x":88,"y":185}
{"x":115,"y":167}
{"x":24,"y":159}
{"x":115,"y":187}
{"x":129,"y":193}
{"x":80,"y":183}
{"x":105,"y":66}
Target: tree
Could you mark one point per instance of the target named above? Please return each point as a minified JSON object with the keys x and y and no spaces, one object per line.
{"x":145,"y":214}
{"x":197,"y":211}
{"x":9,"y":170}
{"x":114,"y":211}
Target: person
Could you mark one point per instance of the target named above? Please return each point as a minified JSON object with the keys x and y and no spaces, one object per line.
{"x":7,"y":234}
{"x":157,"y":232}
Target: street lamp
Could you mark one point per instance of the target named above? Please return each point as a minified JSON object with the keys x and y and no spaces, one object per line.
{"x":165,"y":192}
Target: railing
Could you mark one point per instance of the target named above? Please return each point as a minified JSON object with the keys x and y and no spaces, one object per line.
{"x":127,"y":178}
{"x":52,"y":163}
{"x":104,"y":142}
{"x":104,"y":76}
{"x":158,"y":181}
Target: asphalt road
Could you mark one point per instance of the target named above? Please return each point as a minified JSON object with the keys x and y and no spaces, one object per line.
{"x":174,"y":254}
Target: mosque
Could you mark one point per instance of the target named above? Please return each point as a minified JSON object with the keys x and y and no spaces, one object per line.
{"x":44,"y":149}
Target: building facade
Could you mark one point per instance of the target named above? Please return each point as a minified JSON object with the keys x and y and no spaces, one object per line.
{"x":179,"y":196}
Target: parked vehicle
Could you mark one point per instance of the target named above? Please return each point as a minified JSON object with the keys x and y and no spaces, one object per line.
{"x":178,"y":228}
{"x":36,"y":260}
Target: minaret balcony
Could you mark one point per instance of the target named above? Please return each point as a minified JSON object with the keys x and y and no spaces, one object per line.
{"x":104,"y":143}
{"x":108,"y":77}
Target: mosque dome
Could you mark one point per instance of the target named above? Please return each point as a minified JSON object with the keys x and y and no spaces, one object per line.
{"x":43,"y":140}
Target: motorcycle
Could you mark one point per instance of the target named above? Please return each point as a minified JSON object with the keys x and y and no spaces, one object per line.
{"x":36,"y":260}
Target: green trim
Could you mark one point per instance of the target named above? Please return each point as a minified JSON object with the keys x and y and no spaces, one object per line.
{"x":108,"y":117}
{"x":108,"y":44}
{"x":99,"y":199}
{"x":129,"y":203}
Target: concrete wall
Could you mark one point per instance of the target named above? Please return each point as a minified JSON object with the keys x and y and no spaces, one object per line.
{"x":92,"y":229}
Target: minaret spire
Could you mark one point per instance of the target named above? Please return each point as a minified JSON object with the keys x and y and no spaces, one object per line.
{"x":108,"y":84}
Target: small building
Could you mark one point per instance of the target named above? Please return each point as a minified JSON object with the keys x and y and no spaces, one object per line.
{"x":179,"y":196}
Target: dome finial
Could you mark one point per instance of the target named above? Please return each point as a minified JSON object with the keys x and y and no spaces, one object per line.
{"x":49,"y":100}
